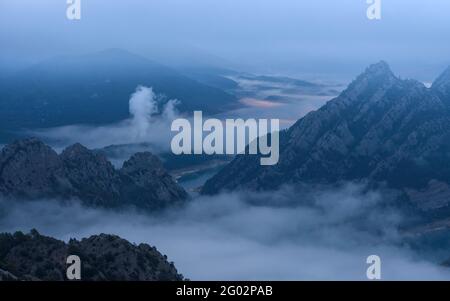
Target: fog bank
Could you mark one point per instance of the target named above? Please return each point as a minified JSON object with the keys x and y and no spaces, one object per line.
{"x":284,"y":235}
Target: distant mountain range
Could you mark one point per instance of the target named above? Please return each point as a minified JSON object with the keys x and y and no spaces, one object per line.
{"x":280,"y":80}
{"x":103,"y":258}
{"x":29,"y":170}
{"x":95,"y":89}
{"x":381,"y":128}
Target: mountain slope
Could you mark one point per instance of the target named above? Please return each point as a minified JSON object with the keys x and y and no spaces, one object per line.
{"x":103,"y":257}
{"x":380,"y":128}
{"x":95,"y":89}
{"x":29,"y":169}
{"x":442,"y":86}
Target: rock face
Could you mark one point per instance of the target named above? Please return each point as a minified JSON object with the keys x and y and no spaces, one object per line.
{"x":103,"y":257}
{"x":380,"y":128}
{"x":151,"y":179}
{"x":29,"y":169}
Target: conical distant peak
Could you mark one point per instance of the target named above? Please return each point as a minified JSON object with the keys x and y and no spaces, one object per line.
{"x":380,"y":68}
{"x":378,"y":74}
{"x":76,"y":148}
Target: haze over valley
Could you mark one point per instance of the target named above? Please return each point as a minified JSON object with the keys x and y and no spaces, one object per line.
{"x":87,"y":165}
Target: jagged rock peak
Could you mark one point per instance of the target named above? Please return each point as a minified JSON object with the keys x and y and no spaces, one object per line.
{"x":381,"y":66}
{"x":378,"y":70}
{"x":376,"y":130}
{"x":76,"y":149}
{"x":78,"y":153}
{"x":28,"y":168}
{"x":143,"y":168}
{"x":37,"y":257}
{"x":142,"y":161}
{"x":28,"y":145}
{"x":376,"y":77}
{"x":80,"y":173}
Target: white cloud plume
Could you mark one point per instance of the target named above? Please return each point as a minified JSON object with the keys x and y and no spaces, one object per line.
{"x":143,"y":126}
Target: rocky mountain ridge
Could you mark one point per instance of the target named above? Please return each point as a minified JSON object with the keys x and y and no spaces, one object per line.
{"x":29,"y":169}
{"x":103,"y":257}
{"x":381,"y":128}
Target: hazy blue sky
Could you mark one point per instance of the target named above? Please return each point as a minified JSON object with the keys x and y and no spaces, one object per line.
{"x":276,"y":36}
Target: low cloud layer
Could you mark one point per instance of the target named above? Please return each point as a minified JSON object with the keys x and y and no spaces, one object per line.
{"x":322,"y":234}
{"x":147,"y":124}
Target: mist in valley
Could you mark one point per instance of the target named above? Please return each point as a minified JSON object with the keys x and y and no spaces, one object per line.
{"x":311,"y":234}
{"x":293,"y":233}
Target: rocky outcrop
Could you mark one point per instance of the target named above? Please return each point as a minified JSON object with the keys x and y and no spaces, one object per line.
{"x":29,"y":169}
{"x":150,"y":179}
{"x":91,"y":176}
{"x":380,"y":128}
{"x":103,"y":257}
